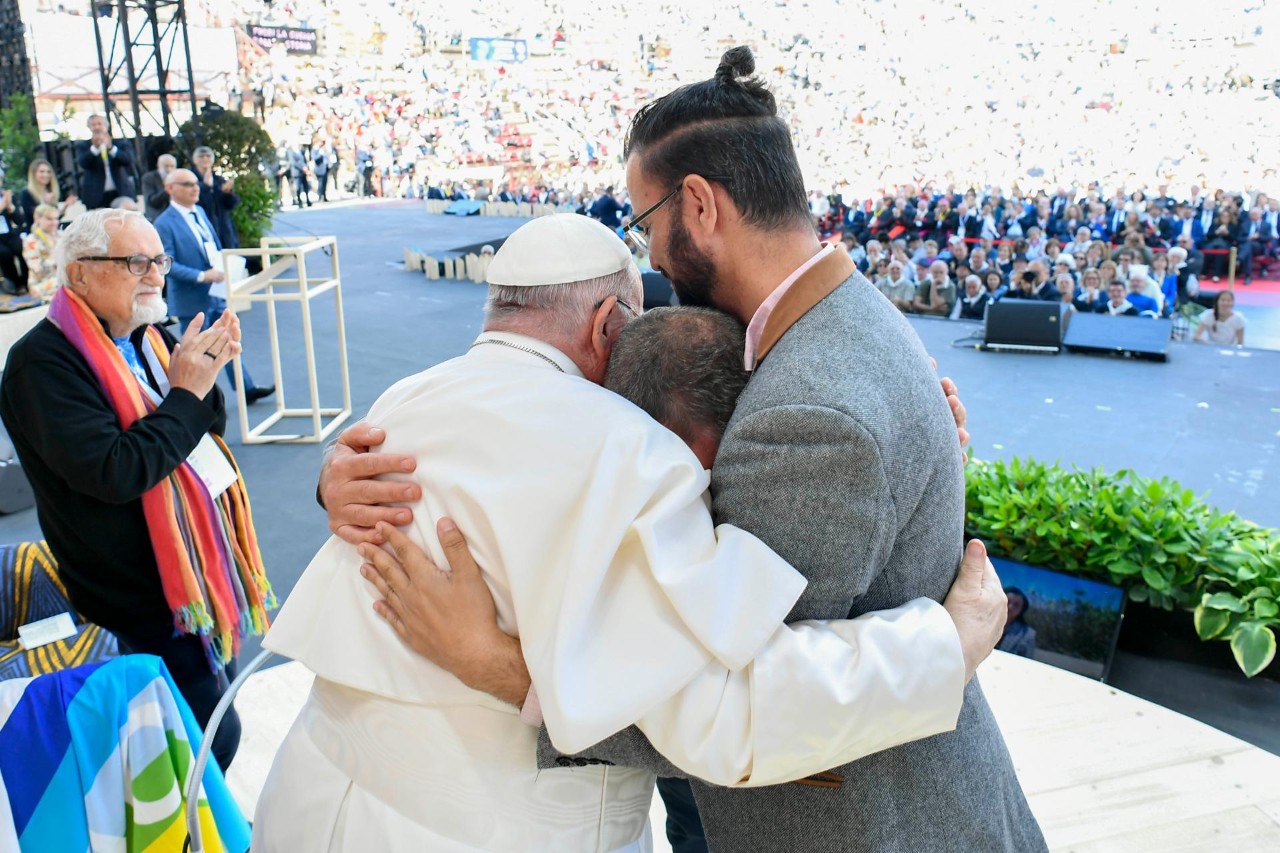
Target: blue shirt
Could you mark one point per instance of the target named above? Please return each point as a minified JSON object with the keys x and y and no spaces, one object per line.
{"x":130,"y":354}
{"x":1143,"y":303}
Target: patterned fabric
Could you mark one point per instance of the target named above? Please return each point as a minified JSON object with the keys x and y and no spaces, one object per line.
{"x":205,"y":547}
{"x":30,"y":590}
{"x":98,"y":758}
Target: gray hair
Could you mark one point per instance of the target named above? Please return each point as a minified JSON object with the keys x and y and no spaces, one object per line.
{"x":202,"y":150}
{"x":681,"y":365}
{"x":561,"y":308}
{"x":89,"y":234}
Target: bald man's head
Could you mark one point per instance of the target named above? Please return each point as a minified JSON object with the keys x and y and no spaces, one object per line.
{"x":182,"y":187}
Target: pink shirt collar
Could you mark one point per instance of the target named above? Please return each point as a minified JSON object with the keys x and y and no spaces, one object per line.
{"x":756,"y":327}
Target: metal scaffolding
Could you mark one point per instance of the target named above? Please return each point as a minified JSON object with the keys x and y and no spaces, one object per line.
{"x":15,"y":69}
{"x":146,"y":68}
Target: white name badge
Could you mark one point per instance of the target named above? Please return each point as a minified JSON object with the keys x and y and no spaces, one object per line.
{"x":218,"y":289}
{"x":211,"y":466}
{"x":46,"y":631}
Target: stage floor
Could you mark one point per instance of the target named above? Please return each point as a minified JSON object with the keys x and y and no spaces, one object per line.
{"x":1208,"y":417}
{"x":1102,"y":770}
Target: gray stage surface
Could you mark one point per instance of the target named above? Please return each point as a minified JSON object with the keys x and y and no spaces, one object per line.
{"x":1208,"y":418}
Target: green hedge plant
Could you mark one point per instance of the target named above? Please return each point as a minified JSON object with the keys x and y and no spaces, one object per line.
{"x":19,"y":141}
{"x":1159,"y":541}
{"x":244,"y":151}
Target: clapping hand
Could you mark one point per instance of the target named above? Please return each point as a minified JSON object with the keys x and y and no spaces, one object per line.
{"x":196,"y":360}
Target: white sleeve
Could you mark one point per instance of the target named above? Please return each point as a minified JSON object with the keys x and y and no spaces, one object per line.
{"x":817,"y":696}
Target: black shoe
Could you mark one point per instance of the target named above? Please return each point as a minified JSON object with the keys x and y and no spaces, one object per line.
{"x":253,"y":395}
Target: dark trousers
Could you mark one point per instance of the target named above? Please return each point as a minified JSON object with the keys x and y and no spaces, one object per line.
{"x":1214,"y":263}
{"x":12,"y":267}
{"x":211,"y":315}
{"x":684,"y":825}
{"x":322,"y":178}
{"x":185,"y":659}
{"x":301,"y":189}
{"x":1245,"y":255}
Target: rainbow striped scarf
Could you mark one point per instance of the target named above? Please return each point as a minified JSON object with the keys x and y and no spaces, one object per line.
{"x":206,"y":549}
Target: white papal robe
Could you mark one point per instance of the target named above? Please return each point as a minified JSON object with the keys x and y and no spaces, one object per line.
{"x":591,"y":525}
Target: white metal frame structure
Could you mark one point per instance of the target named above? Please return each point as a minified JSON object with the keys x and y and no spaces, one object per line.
{"x":281,"y":255}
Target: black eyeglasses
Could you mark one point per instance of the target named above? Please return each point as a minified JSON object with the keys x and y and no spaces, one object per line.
{"x":138,"y":264}
{"x":638,"y":232}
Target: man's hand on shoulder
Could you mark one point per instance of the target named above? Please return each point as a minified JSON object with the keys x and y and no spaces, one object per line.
{"x":349,"y":491}
{"x":977,"y":605}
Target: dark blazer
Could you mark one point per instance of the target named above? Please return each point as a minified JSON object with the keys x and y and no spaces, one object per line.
{"x":1264,"y":231}
{"x":26,"y":204}
{"x":93,"y":176}
{"x":186,"y":295}
{"x":217,"y":206}
{"x":976,"y":310}
{"x":1103,"y":309}
{"x":940,"y":228}
{"x":154,"y":195}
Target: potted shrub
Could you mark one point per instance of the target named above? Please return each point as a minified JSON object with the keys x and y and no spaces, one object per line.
{"x":1196,"y":569}
{"x":244,"y":151}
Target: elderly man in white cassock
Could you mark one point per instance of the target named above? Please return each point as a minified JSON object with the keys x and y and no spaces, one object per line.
{"x":590,"y":523}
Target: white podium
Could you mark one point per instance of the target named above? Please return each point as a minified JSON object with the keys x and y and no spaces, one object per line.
{"x":283,"y":257}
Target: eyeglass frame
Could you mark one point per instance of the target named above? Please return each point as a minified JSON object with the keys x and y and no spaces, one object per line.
{"x":624,"y":303}
{"x":163,"y":263}
{"x":635,"y":229}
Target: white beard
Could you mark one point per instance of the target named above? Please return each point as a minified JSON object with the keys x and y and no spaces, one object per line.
{"x":154,"y":312}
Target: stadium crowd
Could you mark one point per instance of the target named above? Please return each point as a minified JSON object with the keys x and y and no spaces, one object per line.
{"x":1112,"y":101}
{"x":1119,"y":96}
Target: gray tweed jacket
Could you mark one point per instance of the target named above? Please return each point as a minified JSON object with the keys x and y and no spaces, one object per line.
{"x":842,"y":456}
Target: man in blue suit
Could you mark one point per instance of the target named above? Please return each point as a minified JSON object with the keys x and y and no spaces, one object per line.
{"x":189,"y":237}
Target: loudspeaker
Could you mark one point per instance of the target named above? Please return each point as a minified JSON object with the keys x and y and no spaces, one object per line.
{"x":1140,"y":337}
{"x":465,"y":208}
{"x":1024,"y":325}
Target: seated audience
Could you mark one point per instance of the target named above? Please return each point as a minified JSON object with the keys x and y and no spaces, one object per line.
{"x":1117,"y":304}
{"x":1222,"y":325}
{"x":1092,"y":295}
{"x":42,"y":188}
{"x":896,"y":288}
{"x":936,"y":294}
{"x":993,"y":281}
{"x":37,"y":251}
{"x":1065,"y":287}
{"x":973,"y":305}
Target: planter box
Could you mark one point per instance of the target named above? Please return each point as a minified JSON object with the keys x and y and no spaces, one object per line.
{"x":1171,"y":635}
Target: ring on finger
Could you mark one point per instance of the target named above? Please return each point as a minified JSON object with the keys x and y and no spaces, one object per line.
{"x":210,"y":355}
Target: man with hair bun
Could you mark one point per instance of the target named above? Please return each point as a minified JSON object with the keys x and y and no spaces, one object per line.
{"x":868,"y":505}
{"x":616,"y":599}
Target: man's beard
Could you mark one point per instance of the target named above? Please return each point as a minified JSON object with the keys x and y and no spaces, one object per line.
{"x":692,"y":273}
{"x":152,"y":312}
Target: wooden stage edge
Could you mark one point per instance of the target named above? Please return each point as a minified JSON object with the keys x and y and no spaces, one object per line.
{"x":1103,"y":770}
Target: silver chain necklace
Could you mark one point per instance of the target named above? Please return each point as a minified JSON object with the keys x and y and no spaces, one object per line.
{"x":545,"y":358}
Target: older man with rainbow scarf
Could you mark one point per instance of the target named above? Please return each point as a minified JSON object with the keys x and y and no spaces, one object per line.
{"x":118,"y":427}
